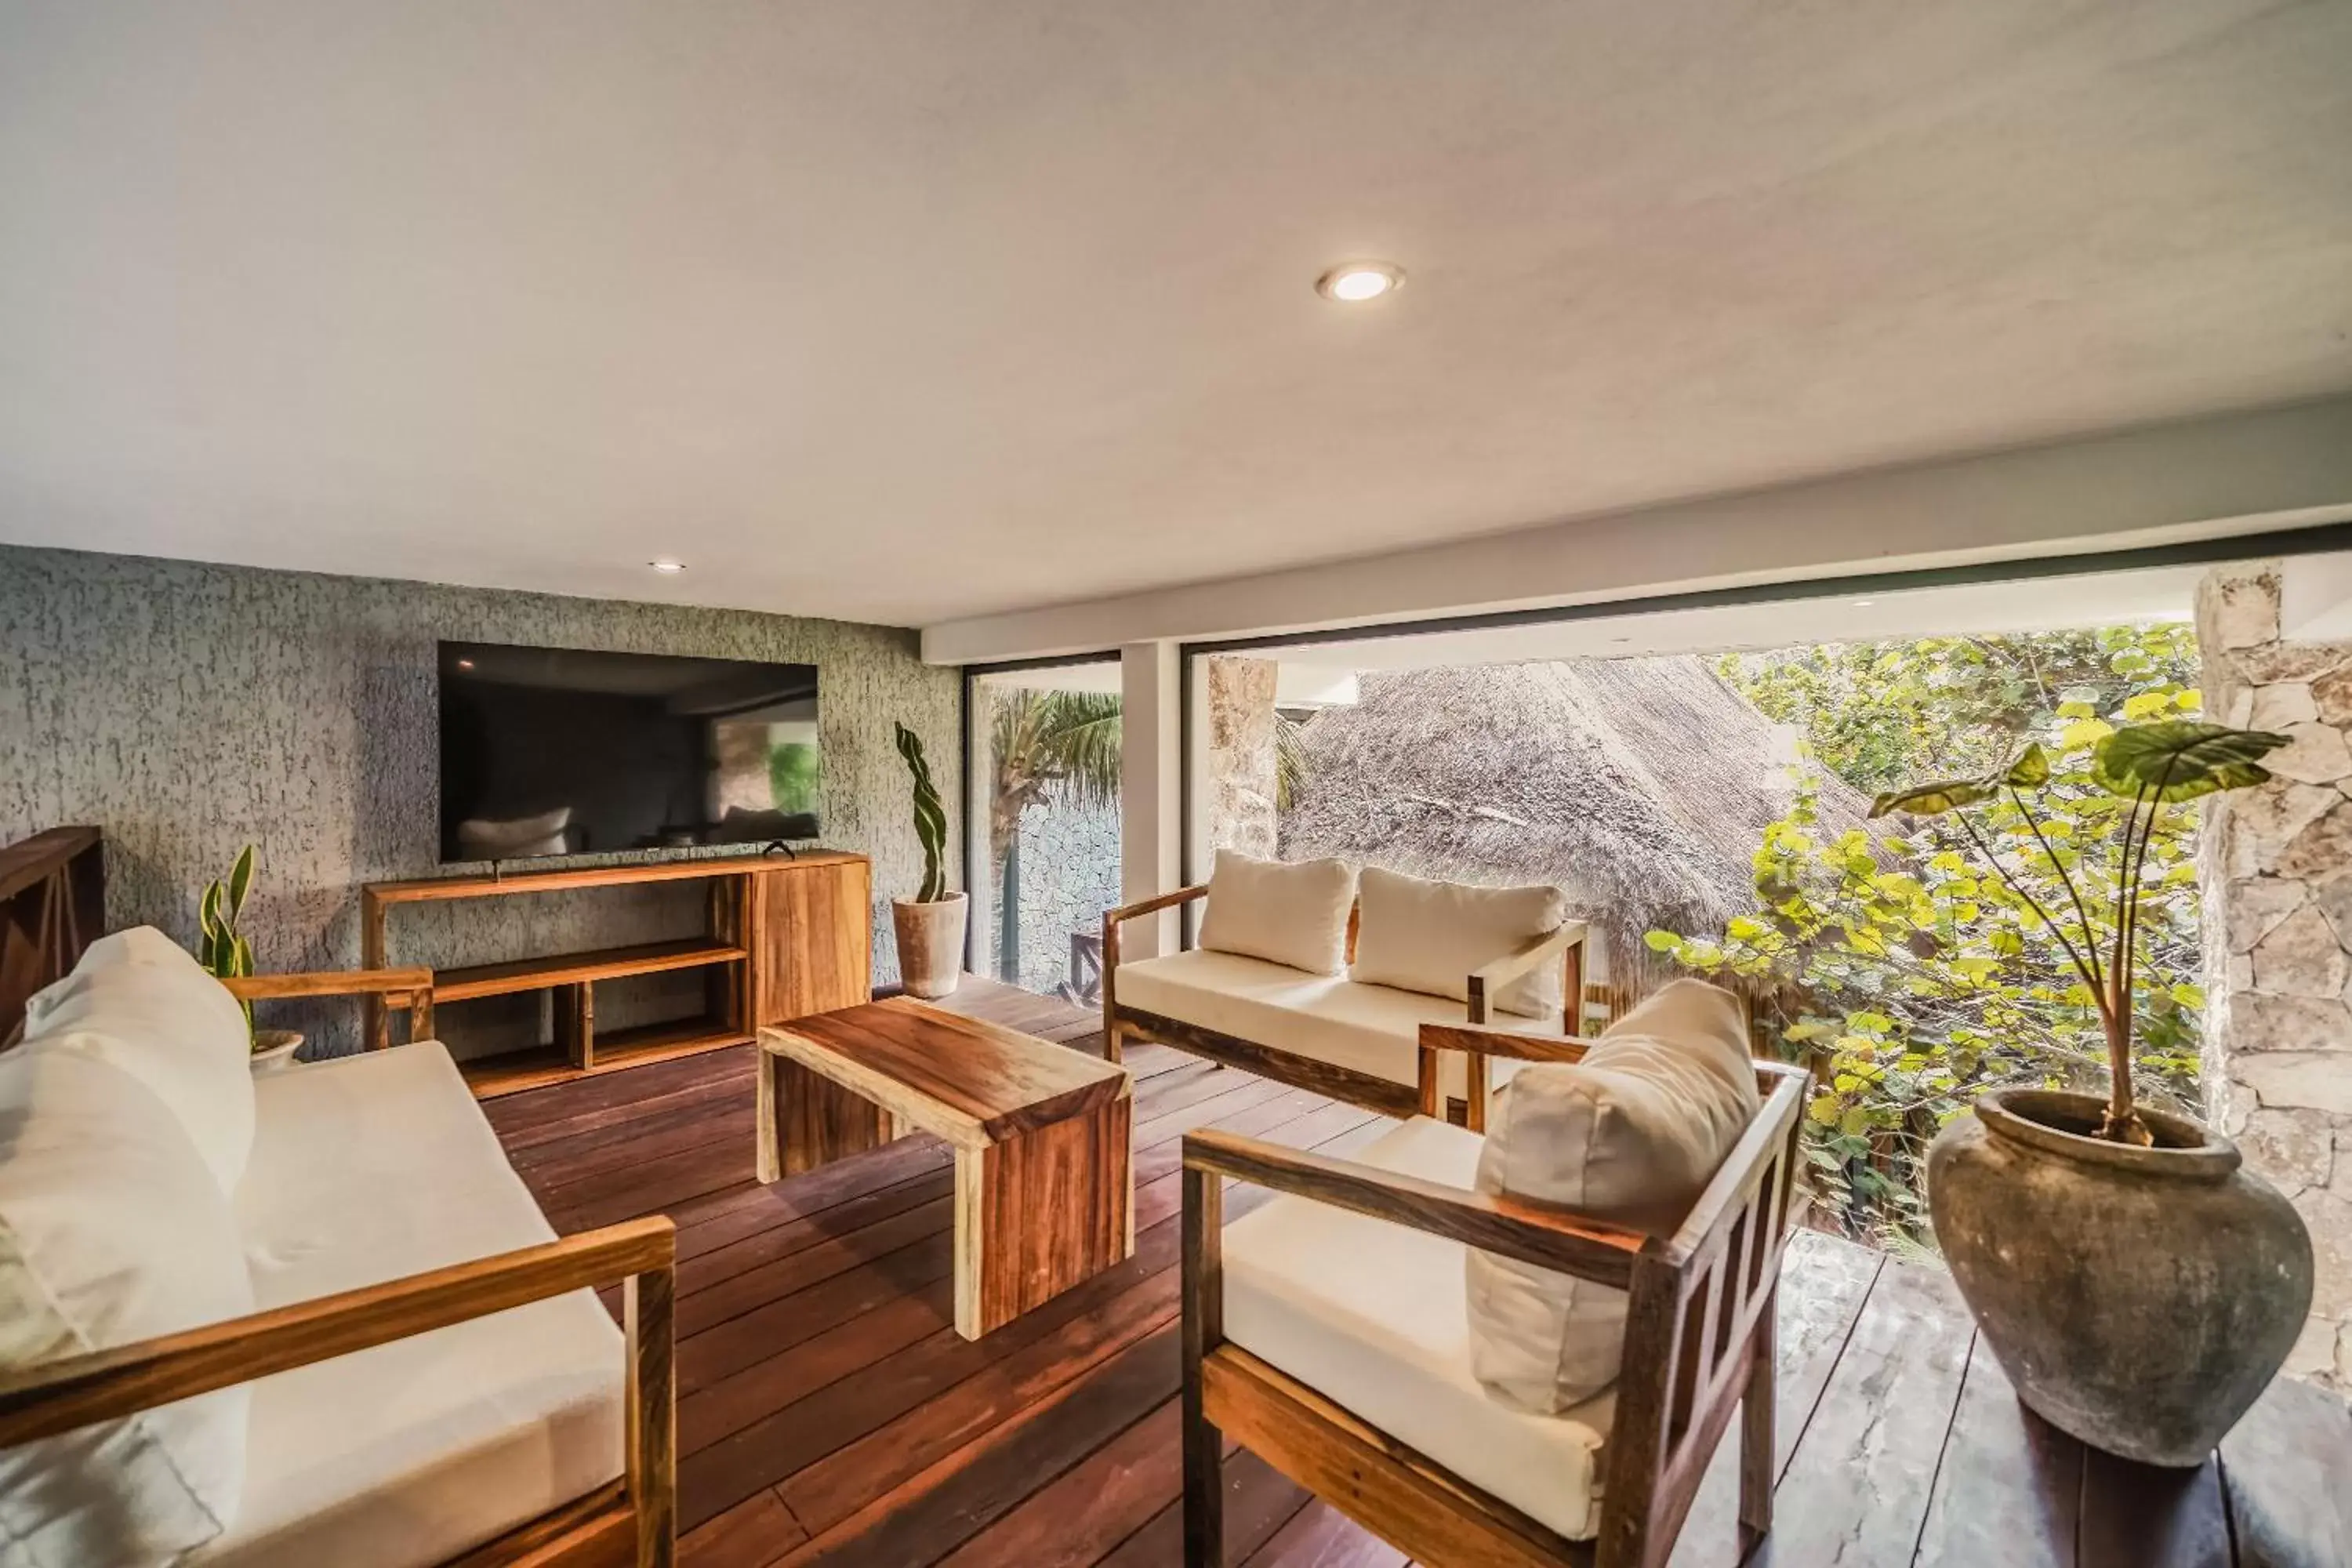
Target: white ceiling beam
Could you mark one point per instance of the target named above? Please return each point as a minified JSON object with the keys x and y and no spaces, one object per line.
{"x":2205,"y":479}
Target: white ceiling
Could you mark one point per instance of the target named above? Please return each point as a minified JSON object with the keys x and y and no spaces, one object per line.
{"x":908,"y":311}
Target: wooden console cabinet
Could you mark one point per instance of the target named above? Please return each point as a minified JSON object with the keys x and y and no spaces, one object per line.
{"x":784,"y":938}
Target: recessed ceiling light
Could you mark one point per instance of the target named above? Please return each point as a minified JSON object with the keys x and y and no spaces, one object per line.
{"x":1353,"y":282}
{"x":667,"y":566}
{"x":464,"y":664}
{"x":1864,"y":604}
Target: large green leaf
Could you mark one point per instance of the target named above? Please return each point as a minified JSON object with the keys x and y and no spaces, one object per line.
{"x":2182,"y":758}
{"x":208,"y":909}
{"x":2030,"y":771}
{"x":240,"y":882}
{"x":1934,"y":799}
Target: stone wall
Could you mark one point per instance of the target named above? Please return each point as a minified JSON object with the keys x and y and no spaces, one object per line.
{"x":1240,"y":757}
{"x":188,"y":709}
{"x":1069,"y":876}
{"x":2276,"y":875}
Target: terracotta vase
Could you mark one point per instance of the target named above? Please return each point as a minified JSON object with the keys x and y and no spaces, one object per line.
{"x":931,"y":944}
{"x":2138,"y":1298}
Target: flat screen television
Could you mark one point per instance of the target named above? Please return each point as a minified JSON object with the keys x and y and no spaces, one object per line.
{"x":551,"y":751}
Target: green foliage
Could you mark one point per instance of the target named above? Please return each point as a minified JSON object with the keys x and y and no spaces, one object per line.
{"x":931,"y":818}
{"x":1908,"y":973}
{"x":1879,"y":713}
{"x":796,"y":770}
{"x":1044,"y":739}
{"x":222,"y":950}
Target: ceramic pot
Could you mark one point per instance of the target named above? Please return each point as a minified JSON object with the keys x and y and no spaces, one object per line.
{"x":2138,"y":1298}
{"x":273,"y":1049}
{"x":931,"y":944}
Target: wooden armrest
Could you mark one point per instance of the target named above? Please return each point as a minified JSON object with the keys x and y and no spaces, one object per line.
{"x":104,"y":1385}
{"x":1492,"y":977}
{"x":1547,"y":1237}
{"x":1502,"y":1040}
{"x":395,"y":985}
{"x":1153,"y":905}
{"x":1785,"y":1088}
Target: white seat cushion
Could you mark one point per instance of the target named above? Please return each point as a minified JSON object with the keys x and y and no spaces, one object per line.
{"x":1632,"y":1133}
{"x":1371,"y":1316}
{"x":1420,"y":935}
{"x":137,"y":1000}
{"x":367,"y":1168}
{"x":111,"y":1231}
{"x":1373,"y":1029}
{"x":1293,"y":914}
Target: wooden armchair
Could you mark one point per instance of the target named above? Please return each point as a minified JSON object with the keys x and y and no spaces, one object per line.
{"x":631,"y":1520}
{"x":1698,"y":1345}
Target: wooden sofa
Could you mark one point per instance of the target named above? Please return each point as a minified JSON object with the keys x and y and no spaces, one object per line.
{"x":1371,"y":1058}
{"x":1698,"y":1345}
{"x":455,"y":1366}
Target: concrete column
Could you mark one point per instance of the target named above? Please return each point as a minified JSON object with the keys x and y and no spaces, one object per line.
{"x":2274,"y":874}
{"x":1151,"y":773}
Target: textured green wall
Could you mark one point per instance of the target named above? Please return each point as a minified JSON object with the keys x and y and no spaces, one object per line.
{"x":188,"y":709}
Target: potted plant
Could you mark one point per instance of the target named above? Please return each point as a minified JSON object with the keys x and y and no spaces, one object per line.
{"x":2139,"y":1287}
{"x":225,"y":954}
{"x":931,"y":925}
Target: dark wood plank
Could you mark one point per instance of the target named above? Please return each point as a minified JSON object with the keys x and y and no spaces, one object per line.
{"x":1858,"y":1485}
{"x":750,"y":1535}
{"x":2135,"y":1517}
{"x":926,"y":1516}
{"x":2287,"y":1468}
{"x":2009,"y":1488}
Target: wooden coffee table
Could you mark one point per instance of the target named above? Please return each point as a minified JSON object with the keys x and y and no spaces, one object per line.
{"x":1043,"y":1193}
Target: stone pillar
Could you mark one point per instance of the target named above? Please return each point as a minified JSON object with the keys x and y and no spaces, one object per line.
{"x":1240,"y":758}
{"x":2274,"y":872}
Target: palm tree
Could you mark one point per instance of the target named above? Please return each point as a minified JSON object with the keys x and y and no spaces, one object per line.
{"x":1042,"y":740}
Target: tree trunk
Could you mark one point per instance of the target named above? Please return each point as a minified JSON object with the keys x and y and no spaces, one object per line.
{"x":1008,"y":913}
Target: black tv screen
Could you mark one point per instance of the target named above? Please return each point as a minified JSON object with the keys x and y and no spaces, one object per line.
{"x":563,"y":752}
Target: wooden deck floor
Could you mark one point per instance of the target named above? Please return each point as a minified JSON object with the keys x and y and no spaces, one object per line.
{"x":829,"y":1414}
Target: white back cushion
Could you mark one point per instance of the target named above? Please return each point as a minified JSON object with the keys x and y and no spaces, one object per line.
{"x":111,"y":1230}
{"x":1295,"y":914}
{"x":1420,"y":935}
{"x":139,"y":1002}
{"x":1632,"y":1133}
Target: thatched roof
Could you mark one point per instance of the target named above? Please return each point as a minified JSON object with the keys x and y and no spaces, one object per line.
{"x":1640,"y":787}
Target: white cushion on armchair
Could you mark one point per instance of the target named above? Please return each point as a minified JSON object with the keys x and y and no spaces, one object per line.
{"x":1420,"y":935}
{"x":1631,"y":1134}
{"x":1294,"y":914}
{"x":137,"y":1001}
{"x":1371,"y":1316}
{"x":111,"y":1231}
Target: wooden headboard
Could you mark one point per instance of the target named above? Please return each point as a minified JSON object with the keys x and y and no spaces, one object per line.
{"x":52,"y":905}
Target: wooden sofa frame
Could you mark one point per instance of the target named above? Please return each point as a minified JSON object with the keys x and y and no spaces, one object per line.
{"x":1564,"y":946}
{"x":633,"y":1519}
{"x":1699,"y":1335}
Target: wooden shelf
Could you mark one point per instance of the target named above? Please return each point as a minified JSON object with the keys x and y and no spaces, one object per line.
{"x":578,"y":968}
{"x":511,"y":1072}
{"x":740,"y":863}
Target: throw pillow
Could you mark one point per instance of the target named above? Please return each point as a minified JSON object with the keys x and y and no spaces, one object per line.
{"x":1420,"y":935}
{"x":1294,"y":914}
{"x":139,"y":1002}
{"x":111,"y":1231}
{"x":1632,"y":1134}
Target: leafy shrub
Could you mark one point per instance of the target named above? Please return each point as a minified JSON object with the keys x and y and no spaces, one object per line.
{"x":1910,"y":979}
